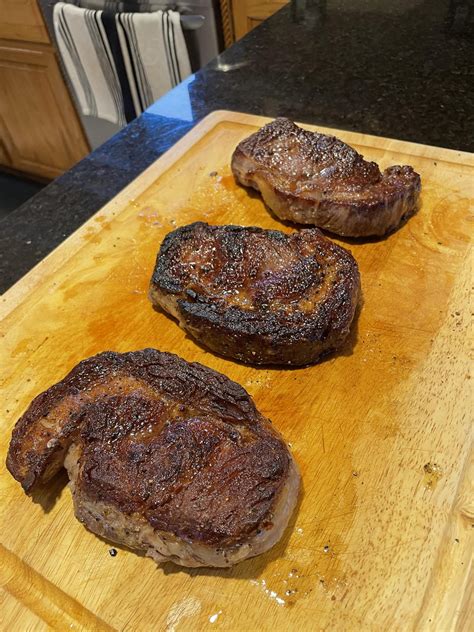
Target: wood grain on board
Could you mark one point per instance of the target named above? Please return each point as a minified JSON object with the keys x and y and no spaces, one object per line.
{"x":382,"y":536}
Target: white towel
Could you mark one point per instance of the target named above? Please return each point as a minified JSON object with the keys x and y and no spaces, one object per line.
{"x":119,"y":64}
{"x":155,"y":54}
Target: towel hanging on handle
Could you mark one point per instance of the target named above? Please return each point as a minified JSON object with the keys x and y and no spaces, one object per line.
{"x":119,"y":64}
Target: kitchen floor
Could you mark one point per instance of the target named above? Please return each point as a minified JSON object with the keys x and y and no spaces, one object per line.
{"x":14,"y":191}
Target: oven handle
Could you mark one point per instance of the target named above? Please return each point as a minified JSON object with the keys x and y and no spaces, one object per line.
{"x":192,"y":22}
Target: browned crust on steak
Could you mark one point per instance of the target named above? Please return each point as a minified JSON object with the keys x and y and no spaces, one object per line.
{"x":199,"y":477}
{"x":176,"y":446}
{"x":312,"y":178}
{"x":260,"y":296}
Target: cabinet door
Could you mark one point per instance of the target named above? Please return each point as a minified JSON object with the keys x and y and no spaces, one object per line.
{"x":22,"y":20}
{"x":42,"y":133}
{"x":248,"y":14}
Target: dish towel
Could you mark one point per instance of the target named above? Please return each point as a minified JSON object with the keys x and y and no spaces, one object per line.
{"x":120,"y":63}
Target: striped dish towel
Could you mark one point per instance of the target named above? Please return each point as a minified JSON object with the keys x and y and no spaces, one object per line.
{"x":120,"y":63}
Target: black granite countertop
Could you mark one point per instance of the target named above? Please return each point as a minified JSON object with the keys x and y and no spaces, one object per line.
{"x":399,"y":69}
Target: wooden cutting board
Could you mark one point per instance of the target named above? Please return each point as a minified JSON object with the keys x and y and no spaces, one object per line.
{"x":382,"y":536}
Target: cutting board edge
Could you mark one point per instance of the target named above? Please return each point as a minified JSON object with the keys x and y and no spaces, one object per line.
{"x":47,"y":266}
{"x":370,"y":140}
{"x":14,"y":295}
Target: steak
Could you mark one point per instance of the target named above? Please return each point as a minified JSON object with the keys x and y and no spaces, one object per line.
{"x":311,"y":178}
{"x":166,"y":457}
{"x":260,"y":296}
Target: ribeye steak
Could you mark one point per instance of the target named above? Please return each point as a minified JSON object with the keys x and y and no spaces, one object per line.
{"x":259,"y":296}
{"x":312,"y":178}
{"x":166,"y":457}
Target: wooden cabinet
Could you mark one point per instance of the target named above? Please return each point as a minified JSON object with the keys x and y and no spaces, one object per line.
{"x":247,"y":14}
{"x":40,"y":132}
{"x":22,"y":20}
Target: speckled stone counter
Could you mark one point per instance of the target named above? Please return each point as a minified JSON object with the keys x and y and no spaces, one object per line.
{"x":402,"y":70}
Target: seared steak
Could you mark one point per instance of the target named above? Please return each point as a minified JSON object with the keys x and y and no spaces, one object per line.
{"x":261,"y":296}
{"x":312,"y":178}
{"x":165,"y":457}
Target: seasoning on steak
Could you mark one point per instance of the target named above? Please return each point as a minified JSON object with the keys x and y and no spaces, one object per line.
{"x":260,"y":296}
{"x":312,"y":178}
{"x":165,"y":457}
